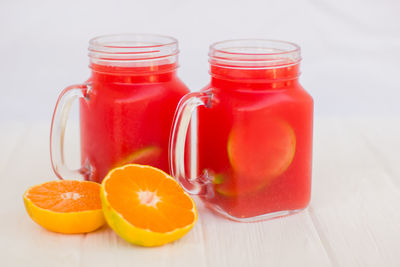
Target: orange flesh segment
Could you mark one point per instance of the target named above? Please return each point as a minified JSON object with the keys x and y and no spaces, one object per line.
{"x":66,"y":196}
{"x":165,"y":206}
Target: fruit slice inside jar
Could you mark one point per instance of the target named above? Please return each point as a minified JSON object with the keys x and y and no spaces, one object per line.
{"x":259,"y":150}
{"x":149,"y":155}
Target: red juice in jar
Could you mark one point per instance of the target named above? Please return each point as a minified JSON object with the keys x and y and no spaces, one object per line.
{"x":127,"y":105}
{"x":255,"y":131}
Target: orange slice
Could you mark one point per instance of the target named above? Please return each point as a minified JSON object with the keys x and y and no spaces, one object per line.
{"x":148,"y":155}
{"x":146,"y":206}
{"x":259,"y":149}
{"x":65,"y":206}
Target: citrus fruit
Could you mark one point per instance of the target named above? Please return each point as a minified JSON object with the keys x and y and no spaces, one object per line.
{"x":259,"y":150}
{"x":64,"y":206}
{"x":146,"y":206}
{"x":148,"y":155}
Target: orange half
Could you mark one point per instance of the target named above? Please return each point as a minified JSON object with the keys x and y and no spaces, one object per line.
{"x":65,"y":206}
{"x":146,"y":206}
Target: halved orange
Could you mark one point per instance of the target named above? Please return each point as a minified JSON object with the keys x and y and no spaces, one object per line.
{"x":146,"y":206}
{"x":65,"y":206}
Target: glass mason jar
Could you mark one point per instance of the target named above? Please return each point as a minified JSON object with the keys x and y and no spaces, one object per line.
{"x":254,"y":132}
{"x":126,"y":106}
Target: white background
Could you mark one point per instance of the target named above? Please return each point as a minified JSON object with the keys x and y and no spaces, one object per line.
{"x":351,"y":48}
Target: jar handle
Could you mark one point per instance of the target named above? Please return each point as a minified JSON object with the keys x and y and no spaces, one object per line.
{"x":57,"y":133}
{"x":183,"y":114}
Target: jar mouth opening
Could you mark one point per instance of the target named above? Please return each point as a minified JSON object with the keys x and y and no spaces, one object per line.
{"x":135,"y":50}
{"x":254,"y":54}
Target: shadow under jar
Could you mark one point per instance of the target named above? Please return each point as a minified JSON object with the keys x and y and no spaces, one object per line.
{"x":254,"y":131}
{"x":126,"y":107}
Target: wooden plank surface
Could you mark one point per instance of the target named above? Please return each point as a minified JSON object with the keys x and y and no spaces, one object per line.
{"x":23,"y":243}
{"x":353,"y":219}
{"x":355,"y":202}
{"x":12,"y":134}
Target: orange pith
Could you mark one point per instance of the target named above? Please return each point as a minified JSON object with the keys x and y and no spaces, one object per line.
{"x":149,"y":199}
{"x":66,"y":196}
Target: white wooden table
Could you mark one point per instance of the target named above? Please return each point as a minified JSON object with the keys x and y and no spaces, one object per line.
{"x":353,"y":219}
